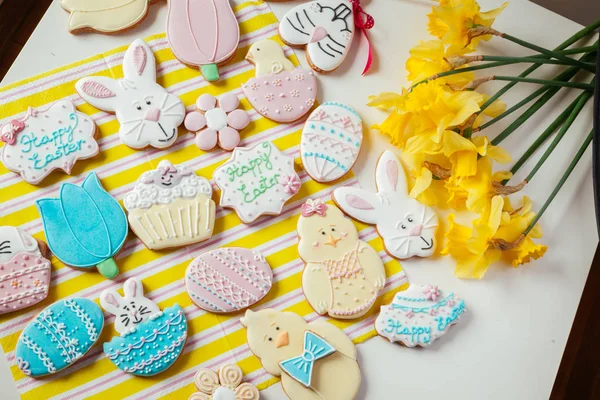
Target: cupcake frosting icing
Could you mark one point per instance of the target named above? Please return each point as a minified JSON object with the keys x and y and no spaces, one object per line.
{"x":165,"y":184}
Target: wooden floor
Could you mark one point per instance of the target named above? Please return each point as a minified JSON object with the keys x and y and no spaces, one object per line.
{"x":579,"y":374}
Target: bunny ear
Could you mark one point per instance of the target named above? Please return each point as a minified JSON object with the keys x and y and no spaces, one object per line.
{"x":358,"y":203}
{"x":111,"y":301}
{"x":139,"y":62}
{"x":99,"y":91}
{"x":28,"y":241}
{"x":389,"y":174}
{"x":133,"y":288}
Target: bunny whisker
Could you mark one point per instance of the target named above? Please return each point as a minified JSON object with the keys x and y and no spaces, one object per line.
{"x":131,"y":121}
{"x":428,"y":219}
{"x":140,"y":132}
{"x":170,"y":107}
{"x":4,"y":243}
{"x":170,"y":115}
{"x":429,"y":226}
{"x":140,"y":122}
{"x":5,"y":252}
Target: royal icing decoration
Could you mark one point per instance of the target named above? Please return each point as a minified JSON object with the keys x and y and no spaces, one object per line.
{"x":280,"y":91}
{"x":330,"y":141}
{"x":257,"y":181}
{"x":151,"y":340}
{"x":149,"y":115}
{"x":314,"y":360}
{"x":24,"y":271}
{"x":225,"y":385}
{"x":105,"y":16}
{"x":85,"y":226}
{"x":203,"y":34}
{"x":407,"y":227}
{"x":343,"y":275}
{"x":419,"y":315}
{"x":43,"y":141}
{"x":59,"y":336}
{"x":171,"y":206}
{"x":324,"y":27}
{"x":217,"y":123}
{"x":228,"y":279}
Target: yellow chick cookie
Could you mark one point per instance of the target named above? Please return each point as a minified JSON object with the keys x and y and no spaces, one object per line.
{"x":268,"y":58}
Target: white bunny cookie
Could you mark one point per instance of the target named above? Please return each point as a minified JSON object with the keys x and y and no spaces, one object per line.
{"x":149,"y":115}
{"x":131,"y":310}
{"x":407,"y":227}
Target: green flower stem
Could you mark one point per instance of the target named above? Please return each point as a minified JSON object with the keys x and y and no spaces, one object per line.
{"x":532,"y":59}
{"x":562,"y":181}
{"x":579,"y":50}
{"x":108,"y":268}
{"x":574,"y":85}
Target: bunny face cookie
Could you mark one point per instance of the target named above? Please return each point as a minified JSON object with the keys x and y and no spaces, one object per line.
{"x":148,"y":114}
{"x":407,"y":227}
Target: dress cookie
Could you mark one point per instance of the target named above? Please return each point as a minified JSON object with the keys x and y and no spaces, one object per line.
{"x":419,"y":315}
{"x":107,"y":16}
{"x":406,"y":226}
{"x":228,"y":279}
{"x":58,"y":337}
{"x":315,"y":360}
{"x":171,"y":206}
{"x":225,"y":385}
{"x":324,"y":27}
{"x":280,"y":91}
{"x":203,"y":34}
{"x":149,"y":115}
{"x":24,"y":270}
{"x":257,"y":181}
{"x":151,"y":340}
{"x":43,"y":141}
{"x":85,"y":226}
{"x":331,"y":141}
{"x":217,"y":123}
{"x":343,"y":275}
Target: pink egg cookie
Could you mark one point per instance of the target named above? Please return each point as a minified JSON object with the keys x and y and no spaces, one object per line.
{"x":228,"y":279}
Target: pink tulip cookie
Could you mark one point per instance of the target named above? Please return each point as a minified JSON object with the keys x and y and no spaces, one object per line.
{"x":257,"y":181}
{"x":217,"y":123}
{"x":228,"y":279}
{"x":24,"y":270}
{"x":224,"y":385}
{"x":280,"y":91}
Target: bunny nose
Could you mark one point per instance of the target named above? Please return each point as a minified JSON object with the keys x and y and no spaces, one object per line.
{"x":152,"y":114}
{"x":416,"y":230}
{"x":134,"y":313}
{"x":282,"y":339}
{"x":319,"y":33}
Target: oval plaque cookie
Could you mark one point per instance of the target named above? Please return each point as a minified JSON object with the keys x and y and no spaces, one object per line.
{"x":228,"y":279}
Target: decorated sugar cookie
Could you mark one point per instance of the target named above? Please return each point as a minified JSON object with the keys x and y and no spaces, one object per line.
{"x":315,"y":360}
{"x":217,"y":123}
{"x":203,"y":34}
{"x":171,"y":206}
{"x":43,"y":141}
{"x":105,"y":16}
{"x":228,"y":279}
{"x":24,"y":270}
{"x":85,"y":227}
{"x":59,"y":336}
{"x":330,"y":142}
{"x":280,"y":91}
{"x":419,"y":316}
{"x":225,"y":385}
{"x":406,"y":226}
{"x":343,"y":275}
{"x":257,"y":181}
{"x":151,"y":340}
{"x":149,"y":115}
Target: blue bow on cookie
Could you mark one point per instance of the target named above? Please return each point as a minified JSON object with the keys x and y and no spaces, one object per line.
{"x":301,"y":368}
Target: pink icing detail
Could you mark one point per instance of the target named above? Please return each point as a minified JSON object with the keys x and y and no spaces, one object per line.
{"x":238,"y":119}
{"x":132,"y":286}
{"x":229,"y":102}
{"x":319,"y":33}
{"x":152,"y":114}
{"x":194,"y":121}
{"x":26,"y":285}
{"x":315,"y":244}
{"x":410,"y":314}
{"x":96,"y":89}
{"x":319,"y":115}
{"x":139,"y":59}
{"x":416,"y":230}
{"x":206,"y":102}
{"x":312,"y":207}
{"x":229,"y":138}
{"x":291,"y":184}
{"x":391,"y":168}
{"x":167,"y":168}
{"x":207,"y":139}
{"x":357,"y":202}
{"x":9,"y":131}
{"x":346,"y":121}
{"x":432,"y":292}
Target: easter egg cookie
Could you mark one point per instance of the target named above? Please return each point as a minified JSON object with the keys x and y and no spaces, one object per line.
{"x":171,"y":206}
{"x":419,"y":316}
{"x":280,"y":91}
{"x":228,"y":279}
{"x":59,"y":336}
{"x":224,"y":385}
{"x":151,"y":340}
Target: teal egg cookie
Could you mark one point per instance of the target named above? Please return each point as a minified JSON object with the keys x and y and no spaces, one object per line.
{"x":59,"y":336}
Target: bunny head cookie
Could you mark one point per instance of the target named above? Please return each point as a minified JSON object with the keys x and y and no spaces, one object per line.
{"x":149,"y":115}
{"x":406,"y":226}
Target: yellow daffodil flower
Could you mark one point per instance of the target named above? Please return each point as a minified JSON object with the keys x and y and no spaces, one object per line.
{"x":429,"y":58}
{"x":479,"y":187}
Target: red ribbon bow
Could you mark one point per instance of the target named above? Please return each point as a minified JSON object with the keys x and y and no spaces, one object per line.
{"x":364,"y":22}
{"x":313,"y":207}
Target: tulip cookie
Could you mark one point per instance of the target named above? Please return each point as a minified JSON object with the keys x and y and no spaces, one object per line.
{"x":406,"y":226}
{"x":151,"y":340}
{"x":315,"y":360}
{"x":24,"y":270}
{"x":85,"y":226}
{"x":280,"y":91}
{"x":419,"y":316}
{"x":171,"y":206}
{"x":108,"y":16}
{"x":343,"y":275}
{"x":226,"y":385}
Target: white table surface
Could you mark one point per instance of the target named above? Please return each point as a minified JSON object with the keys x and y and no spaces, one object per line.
{"x":510,"y":343}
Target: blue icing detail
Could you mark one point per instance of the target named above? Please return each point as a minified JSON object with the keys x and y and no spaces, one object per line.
{"x":332,"y":130}
{"x":417,"y":334}
{"x":59,"y":336}
{"x":456,"y":312}
{"x":322,"y":127}
{"x":341,"y":105}
{"x":85,"y":226}
{"x":312,"y":126}
{"x":300,"y":368}
{"x":427,"y":309}
{"x":326,"y":158}
{"x":153,"y":347}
